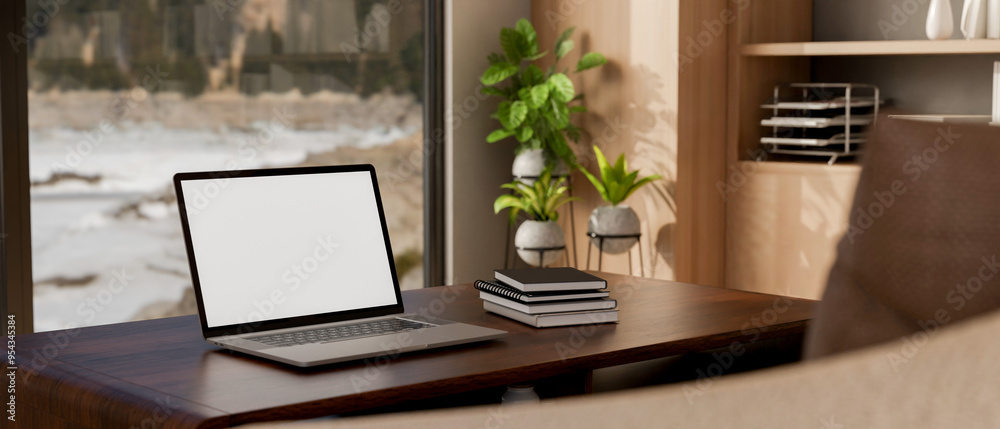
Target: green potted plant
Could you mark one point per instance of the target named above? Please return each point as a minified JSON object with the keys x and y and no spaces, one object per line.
{"x":540,"y":201}
{"x":616,"y":219}
{"x":536,"y":109}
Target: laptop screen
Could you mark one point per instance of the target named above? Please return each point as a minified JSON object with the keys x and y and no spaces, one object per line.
{"x":281,"y":246}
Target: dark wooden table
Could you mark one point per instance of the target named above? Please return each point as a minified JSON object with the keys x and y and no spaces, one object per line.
{"x":161,"y":373}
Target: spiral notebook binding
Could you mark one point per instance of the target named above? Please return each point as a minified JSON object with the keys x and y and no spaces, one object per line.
{"x":497,"y":289}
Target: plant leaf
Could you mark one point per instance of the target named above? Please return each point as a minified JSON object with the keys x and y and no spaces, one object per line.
{"x":518,"y":112}
{"x":590,"y":60}
{"x":512,"y":216}
{"x":513,"y":186}
{"x":619,"y":170}
{"x":603,"y":167}
{"x":561,"y":88}
{"x":561,"y":114}
{"x":532,"y":76}
{"x":530,"y":38}
{"x":506,"y":201}
{"x":629,"y":179}
{"x":537,"y":56}
{"x":532,"y":98}
{"x":558,"y":145}
{"x":640,"y":184}
{"x":498,"y":73}
{"x":597,"y":183}
{"x":512,"y":42}
{"x":495,"y":58}
{"x":539,"y":94}
{"x":492,"y":90}
{"x":563,"y":48}
{"x":498,"y":135}
{"x":524,"y":133}
{"x":503,"y":114}
{"x":557,"y":115}
{"x":573,"y":133}
{"x":612,"y":190}
{"x":563,"y":38}
{"x":524,"y":94}
{"x":577,"y":109}
{"x":511,"y":115}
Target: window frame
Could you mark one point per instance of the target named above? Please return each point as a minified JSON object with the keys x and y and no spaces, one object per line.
{"x":16,"y":282}
{"x":15,"y":203}
{"x":434,"y":144}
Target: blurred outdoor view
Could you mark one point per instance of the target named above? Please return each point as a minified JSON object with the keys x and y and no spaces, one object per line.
{"x":125,"y":93}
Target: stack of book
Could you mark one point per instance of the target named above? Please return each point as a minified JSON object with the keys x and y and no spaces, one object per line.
{"x":545,"y":297}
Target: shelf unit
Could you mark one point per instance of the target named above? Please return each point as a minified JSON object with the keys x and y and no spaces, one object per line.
{"x":783,"y":223}
{"x":881,"y":47}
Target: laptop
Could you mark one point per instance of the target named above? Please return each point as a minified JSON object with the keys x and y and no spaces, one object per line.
{"x":294,"y":265}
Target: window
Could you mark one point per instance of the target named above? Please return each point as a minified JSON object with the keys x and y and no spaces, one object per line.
{"x":123,"y":94}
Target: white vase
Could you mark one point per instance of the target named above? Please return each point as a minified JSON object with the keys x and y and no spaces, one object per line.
{"x":613,"y":220}
{"x":533,"y":234}
{"x":940,"y":23}
{"x":530,"y":164}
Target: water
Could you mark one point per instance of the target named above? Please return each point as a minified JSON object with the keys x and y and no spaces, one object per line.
{"x":105,"y":248}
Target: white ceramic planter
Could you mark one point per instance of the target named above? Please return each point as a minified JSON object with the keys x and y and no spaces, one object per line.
{"x":614,"y":220}
{"x":533,"y":234}
{"x":531,"y":163}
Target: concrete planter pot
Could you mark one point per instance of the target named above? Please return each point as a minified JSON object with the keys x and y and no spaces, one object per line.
{"x":614,"y":220}
{"x":529,"y":165}
{"x":533,"y":234}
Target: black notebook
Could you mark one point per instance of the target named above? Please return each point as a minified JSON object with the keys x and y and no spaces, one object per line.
{"x":550,"y":279}
{"x":500,"y":289}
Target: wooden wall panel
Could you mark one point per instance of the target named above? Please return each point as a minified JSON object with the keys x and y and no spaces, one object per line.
{"x":701,"y":140}
{"x":475,"y":170}
{"x":665,"y":120}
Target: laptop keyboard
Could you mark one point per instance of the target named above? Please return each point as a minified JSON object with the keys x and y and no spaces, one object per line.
{"x":343,"y":332}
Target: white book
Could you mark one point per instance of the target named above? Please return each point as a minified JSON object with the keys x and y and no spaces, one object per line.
{"x":554,"y":319}
{"x":993,"y":19}
{"x":551,"y":307}
{"x":996,"y":91}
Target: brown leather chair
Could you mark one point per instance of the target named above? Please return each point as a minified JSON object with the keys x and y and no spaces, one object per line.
{"x":923,"y":246}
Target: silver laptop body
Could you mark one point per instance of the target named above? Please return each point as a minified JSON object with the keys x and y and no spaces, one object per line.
{"x":295,"y":265}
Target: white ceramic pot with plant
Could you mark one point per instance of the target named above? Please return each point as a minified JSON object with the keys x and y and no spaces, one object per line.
{"x":616,"y":222}
{"x":529,"y":164}
{"x":536,"y":105}
{"x":540,"y":240}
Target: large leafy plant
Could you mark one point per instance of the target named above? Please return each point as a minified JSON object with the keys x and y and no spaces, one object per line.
{"x":616,"y":183}
{"x":536,"y":104}
{"x":539,"y":200}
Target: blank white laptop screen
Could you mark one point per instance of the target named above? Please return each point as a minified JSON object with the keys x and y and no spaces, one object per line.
{"x":274,"y":247}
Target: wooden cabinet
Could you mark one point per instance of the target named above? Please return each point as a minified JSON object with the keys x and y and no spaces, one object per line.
{"x":784,"y":219}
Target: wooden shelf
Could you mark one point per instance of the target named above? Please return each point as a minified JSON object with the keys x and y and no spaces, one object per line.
{"x":800,"y":168}
{"x":889,"y":47}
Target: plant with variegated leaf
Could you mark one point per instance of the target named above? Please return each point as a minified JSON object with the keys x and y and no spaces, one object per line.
{"x":616,"y":182}
{"x":536,"y":104}
{"x":540,"y":200}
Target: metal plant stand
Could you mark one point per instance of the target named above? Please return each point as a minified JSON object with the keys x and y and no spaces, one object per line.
{"x":600,"y":247}
{"x":541,"y":254}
